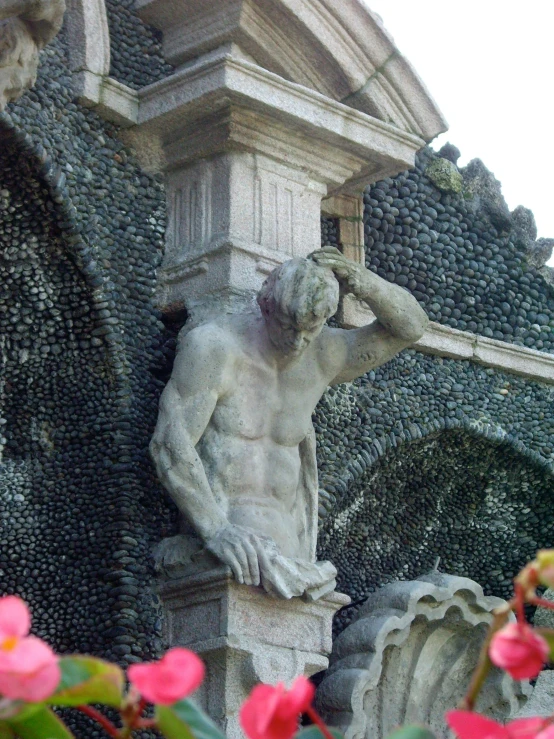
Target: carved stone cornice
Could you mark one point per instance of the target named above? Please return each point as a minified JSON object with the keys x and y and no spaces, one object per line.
{"x":338,"y":49}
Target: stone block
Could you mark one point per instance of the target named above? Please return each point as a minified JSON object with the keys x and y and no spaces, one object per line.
{"x":340,"y":50}
{"x":245,"y":636}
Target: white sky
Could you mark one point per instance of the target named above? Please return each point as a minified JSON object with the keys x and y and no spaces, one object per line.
{"x":489,"y":65}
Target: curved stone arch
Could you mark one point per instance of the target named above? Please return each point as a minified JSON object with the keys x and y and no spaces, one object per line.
{"x":474,"y":497}
{"x":408,"y":656}
{"x":340,"y":49}
{"x":75,"y":245}
{"x":88,"y":37}
{"x":381,"y":446}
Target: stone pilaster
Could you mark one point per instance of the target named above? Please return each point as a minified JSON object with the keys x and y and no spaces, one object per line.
{"x":245,"y":637}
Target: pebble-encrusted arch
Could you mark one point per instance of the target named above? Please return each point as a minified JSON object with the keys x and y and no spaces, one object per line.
{"x":355,"y":469}
{"x":63,"y":388}
{"x":67,"y":221}
{"x":466,"y":492}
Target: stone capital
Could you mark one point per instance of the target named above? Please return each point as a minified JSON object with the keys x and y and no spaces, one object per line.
{"x":223,"y":102}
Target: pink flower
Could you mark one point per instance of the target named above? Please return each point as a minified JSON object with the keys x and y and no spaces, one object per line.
{"x":519,"y":650}
{"x":272,"y":712}
{"x":468,"y":725}
{"x":175,"y":676}
{"x":29,"y":669}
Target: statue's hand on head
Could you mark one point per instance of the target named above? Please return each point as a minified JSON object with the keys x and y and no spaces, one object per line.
{"x":351,"y":276}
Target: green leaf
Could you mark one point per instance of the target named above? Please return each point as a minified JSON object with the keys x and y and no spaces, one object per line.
{"x":5,"y":731}
{"x":184,"y":720}
{"x":88,"y":680}
{"x":548,"y":634}
{"x":312,"y":732}
{"x":42,"y":724}
{"x":412,"y":732}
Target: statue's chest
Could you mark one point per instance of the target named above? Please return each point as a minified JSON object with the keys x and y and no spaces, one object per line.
{"x":275,"y":403}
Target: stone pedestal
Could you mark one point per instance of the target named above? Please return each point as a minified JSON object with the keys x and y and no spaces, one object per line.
{"x":245,"y":637}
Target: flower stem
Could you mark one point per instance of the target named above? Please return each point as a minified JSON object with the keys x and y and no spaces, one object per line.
{"x":104,"y":722}
{"x":318,"y":721}
{"x":484,"y":663}
{"x":542,"y":602}
{"x":520,"y":602}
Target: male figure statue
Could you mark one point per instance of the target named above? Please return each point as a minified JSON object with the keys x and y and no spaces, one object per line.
{"x":235,"y":445}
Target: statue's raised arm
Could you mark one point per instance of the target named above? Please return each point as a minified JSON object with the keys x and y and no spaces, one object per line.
{"x":234,"y":444}
{"x":401,"y":321}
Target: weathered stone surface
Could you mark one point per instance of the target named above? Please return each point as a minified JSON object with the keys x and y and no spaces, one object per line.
{"x":234,"y":444}
{"x":444,"y":174}
{"x":541,"y":700}
{"x":367,"y":73}
{"x":26,"y":26}
{"x":544,"y":616}
{"x":486,"y":191}
{"x":407,"y":657}
{"x":244,"y":637}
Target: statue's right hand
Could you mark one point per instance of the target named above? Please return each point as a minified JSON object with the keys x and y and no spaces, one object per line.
{"x":246,"y":553}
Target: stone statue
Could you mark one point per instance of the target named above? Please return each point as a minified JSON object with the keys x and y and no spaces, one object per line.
{"x":26,"y":26}
{"x":234,"y":444}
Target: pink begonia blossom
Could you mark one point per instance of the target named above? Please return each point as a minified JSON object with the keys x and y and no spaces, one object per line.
{"x":272,"y":712}
{"x":169,"y":680}
{"x":519,"y":650}
{"x":29,"y":669}
{"x":468,"y":725}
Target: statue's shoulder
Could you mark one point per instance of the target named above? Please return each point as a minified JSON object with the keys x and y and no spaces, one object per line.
{"x":211,"y":337}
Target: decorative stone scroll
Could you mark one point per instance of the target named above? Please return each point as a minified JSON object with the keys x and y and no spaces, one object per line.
{"x":408,"y":657}
{"x":26,"y":26}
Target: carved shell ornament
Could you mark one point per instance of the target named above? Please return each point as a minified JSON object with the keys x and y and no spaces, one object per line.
{"x":26,"y":26}
{"x":408,"y":657}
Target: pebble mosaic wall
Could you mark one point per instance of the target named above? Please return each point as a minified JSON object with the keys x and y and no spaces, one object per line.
{"x":428,"y":457}
{"x":422,"y":458}
{"x":82,"y":350}
{"x":471,"y":263}
{"x":136,"y":48}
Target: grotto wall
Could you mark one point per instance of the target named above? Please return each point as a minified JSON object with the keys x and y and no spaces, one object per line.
{"x":81,"y":230}
{"x":424,"y":457}
{"x":429,"y":456}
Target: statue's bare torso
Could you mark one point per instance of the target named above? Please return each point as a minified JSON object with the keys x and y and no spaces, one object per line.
{"x":250,"y":446}
{"x":234,"y":443}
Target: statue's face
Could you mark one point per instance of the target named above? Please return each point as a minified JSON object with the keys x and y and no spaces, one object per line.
{"x":290,"y":337}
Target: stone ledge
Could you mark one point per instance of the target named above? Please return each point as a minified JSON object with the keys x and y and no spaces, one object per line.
{"x":112,"y":100}
{"x":443,"y":341}
{"x":370,"y":148}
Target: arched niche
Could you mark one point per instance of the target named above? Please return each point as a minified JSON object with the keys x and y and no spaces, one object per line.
{"x":58,"y":384}
{"x":474,"y":498}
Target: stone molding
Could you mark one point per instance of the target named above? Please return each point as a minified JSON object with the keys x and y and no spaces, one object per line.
{"x":443,"y":341}
{"x":518,"y":360}
{"x":359,"y":147}
{"x":112,"y":100}
{"x":407,"y":657}
{"x":338,"y":49}
{"x":89,"y":60}
{"x":89,"y":37}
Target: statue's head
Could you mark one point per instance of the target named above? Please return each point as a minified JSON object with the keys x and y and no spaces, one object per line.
{"x":296,"y":300}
